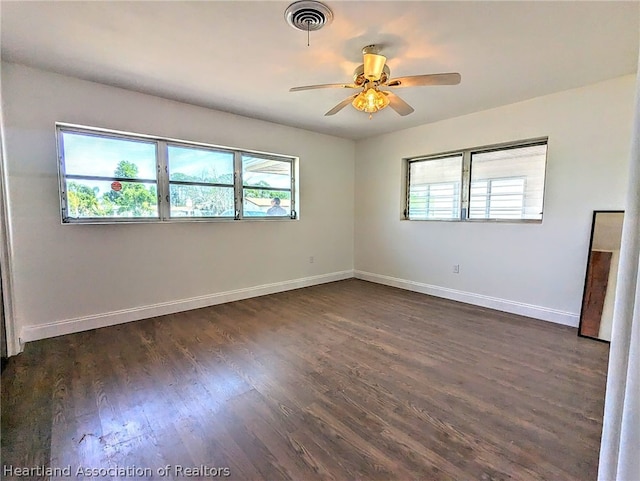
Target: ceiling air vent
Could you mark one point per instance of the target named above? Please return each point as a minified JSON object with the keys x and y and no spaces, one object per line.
{"x":308,"y":15}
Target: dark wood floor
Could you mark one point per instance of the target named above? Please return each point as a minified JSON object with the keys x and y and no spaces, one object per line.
{"x":345,"y":381}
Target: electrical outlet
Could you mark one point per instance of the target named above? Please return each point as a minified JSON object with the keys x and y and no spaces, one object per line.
{"x":456,"y":268}
{"x":311,"y":259}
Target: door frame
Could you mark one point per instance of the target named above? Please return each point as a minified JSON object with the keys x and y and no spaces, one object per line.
{"x":13,"y":344}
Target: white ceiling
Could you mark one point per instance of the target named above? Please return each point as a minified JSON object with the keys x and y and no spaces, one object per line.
{"x":242,"y":57}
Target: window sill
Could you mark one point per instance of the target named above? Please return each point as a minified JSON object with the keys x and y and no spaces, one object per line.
{"x":479,"y":221}
{"x":171,"y":221}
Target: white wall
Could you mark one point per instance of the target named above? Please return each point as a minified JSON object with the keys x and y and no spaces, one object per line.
{"x":73,"y":277}
{"x":533,"y":269}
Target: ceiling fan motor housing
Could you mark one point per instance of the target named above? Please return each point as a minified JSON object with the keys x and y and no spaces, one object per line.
{"x":359,"y":78}
{"x":308,"y":15}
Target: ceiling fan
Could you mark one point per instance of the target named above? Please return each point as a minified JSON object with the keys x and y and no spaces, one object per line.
{"x":374,"y":74}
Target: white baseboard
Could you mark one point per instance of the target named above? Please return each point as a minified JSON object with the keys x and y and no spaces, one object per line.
{"x":514,"y":307}
{"x":69,"y":326}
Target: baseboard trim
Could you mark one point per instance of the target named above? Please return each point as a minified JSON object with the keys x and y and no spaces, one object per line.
{"x":513,"y":307}
{"x":69,"y":326}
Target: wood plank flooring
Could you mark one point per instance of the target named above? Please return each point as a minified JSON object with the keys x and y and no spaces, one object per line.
{"x":343,"y":381}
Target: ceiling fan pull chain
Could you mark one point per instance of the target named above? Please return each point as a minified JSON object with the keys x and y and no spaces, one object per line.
{"x":308,"y":30}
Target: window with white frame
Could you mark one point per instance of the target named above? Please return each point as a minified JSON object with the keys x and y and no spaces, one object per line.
{"x":504,"y":182}
{"x":108,"y":176}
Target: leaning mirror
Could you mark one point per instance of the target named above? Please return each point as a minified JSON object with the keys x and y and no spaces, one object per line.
{"x":596,"y":315}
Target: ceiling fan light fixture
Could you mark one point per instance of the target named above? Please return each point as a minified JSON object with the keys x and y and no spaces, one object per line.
{"x":370,"y":101}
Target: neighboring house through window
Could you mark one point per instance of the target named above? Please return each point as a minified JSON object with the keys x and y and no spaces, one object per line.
{"x":504,"y":182}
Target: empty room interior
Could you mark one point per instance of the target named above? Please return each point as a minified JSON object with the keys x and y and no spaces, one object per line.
{"x":337,"y":240}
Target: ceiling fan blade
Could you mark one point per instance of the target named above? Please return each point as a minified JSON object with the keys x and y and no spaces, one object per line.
{"x":373,"y":65}
{"x":324,"y":86}
{"x":399,"y":105}
{"x":432,"y":79}
{"x":341,"y":105}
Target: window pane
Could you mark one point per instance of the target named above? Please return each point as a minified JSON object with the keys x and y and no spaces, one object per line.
{"x":201,"y":201}
{"x":200,"y":165}
{"x":262,"y":203}
{"x":101,"y":156}
{"x":261,"y":172}
{"x":434,"y":189}
{"x":508,"y":183}
{"x":104,"y":198}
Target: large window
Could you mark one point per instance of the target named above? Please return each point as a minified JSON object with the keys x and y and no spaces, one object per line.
{"x":113,"y":177}
{"x":493,"y":183}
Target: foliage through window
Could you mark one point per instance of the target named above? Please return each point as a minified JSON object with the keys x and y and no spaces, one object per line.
{"x":200,"y":182}
{"x":113,"y":177}
{"x":494,"y":183}
{"x":109,"y":177}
